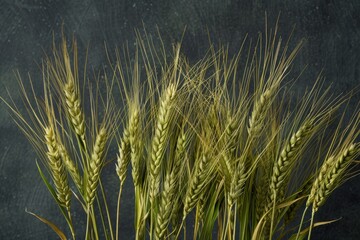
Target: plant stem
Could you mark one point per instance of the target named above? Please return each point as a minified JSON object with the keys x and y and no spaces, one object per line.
{"x":118,"y":213}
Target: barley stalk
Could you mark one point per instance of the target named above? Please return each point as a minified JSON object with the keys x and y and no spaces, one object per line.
{"x":160,"y":138}
{"x":95,"y":165}
{"x":57,"y":168}
{"x":334,"y":174}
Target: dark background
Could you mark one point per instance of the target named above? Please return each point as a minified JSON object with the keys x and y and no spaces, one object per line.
{"x":331,"y":30}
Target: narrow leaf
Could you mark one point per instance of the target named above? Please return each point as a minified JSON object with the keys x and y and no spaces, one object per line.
{"x":53,"y":193}
{"x":50,"y":224}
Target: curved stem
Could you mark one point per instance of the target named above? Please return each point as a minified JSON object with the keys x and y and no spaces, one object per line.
{"x":87,"y":223}
{"x":311,"y":223}
{"x":71,"y":226}
{"x":118,"y":213}
{"x":301,"y":222}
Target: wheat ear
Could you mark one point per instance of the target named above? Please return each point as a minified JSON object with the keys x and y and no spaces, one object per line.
{"x":74,"y":110}
{"x":284,"y":162}
{"x":259,"y":112}
{"x":180,"y":152}
{"x":95,"y":165}
{"x":263,"y":176}
{"x":169,"y":201}
{"x":57,"y":168}
{"x":71,"y":167}
{"x":160,"y":138}
{"x":72,"y":99}
{"x":135,"y":144}
{"x":123,"y":158}
{"x":180,"y":158}
{"x":231,"y":132}
{"x":282,"y":168}
{"x":197,"y":184}
{"x":165,"y":206}
{"x":230,"y":143}
{"x":237,"y":184}
{"x":334,"y":174}
{"x":320,"y":178}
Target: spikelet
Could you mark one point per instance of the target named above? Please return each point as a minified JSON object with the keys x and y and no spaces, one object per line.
{"x":259,"y":112}
{"x":179,"y":163}
{"x":160,"y":139}
{"x":72,"y":99}
{"x":334,"y":174}
{"x":74,"y":110}
{"x":320,"y":178}
{"x":180,"y":152}
{"x":57,"y":168}
{"x":237,"y":184}
{"x":197,"y":183}
{"x":228,"y":153}
{"x":282,"y":166}
{"x":135,"y":145}
{"x":165,"y":206}
{"x":71,"y":167}
{"x":95,"y":166}
{"x":123,"y":158}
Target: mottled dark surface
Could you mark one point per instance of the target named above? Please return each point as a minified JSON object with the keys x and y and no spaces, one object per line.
{"x":331,"y":28}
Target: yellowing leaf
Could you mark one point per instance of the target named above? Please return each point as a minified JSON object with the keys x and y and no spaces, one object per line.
{"x":50,"y":224}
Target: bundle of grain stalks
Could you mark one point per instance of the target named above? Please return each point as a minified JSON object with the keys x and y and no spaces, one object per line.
{"x":213,"y":147}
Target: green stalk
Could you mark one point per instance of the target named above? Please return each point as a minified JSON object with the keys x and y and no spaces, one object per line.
{"x":118,"y":213}
{"x":301,"y":223}
{"x":311,"y":223}
{"x":102,"y":218}
{"x":107,"y":210}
